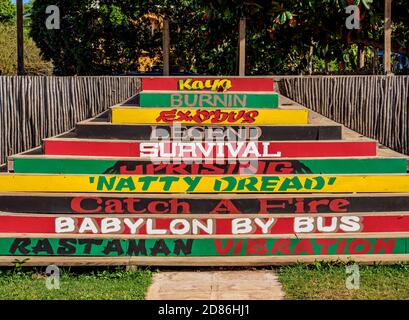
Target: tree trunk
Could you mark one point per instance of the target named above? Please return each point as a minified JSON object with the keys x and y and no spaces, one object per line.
{"x":242,"y":47}
{"x":361,"y":57}
{"x":388,"y":35}
{"x":310,"y":58}
{"x":166,"y":50}
{"x":374,"y":61}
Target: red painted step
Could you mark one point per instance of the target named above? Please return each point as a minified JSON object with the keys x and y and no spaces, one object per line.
{"x":219,"y":225}
{"x":206,"y":150}
{"x":208,"y":84}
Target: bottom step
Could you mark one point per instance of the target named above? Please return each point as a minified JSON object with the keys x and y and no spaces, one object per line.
{"x":202,"y":251}
{"x":199,"y":262}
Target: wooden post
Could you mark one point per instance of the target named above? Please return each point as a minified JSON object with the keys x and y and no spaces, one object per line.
{"x":361,"y":57}
{"x":374,"y":60}
{"x":242,"y":47}
{"x":166,"y":42}
{"x":20,"y":38}
{"x":388,"y":37}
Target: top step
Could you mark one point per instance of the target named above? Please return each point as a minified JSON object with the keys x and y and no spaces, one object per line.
{"x":215,"y":84}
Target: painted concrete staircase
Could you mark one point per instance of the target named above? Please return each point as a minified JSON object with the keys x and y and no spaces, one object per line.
{"x":206,"y":171}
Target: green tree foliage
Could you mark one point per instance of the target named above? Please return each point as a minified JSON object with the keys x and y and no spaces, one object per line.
{"x":103,"y":37}
{"x":285,"y":36}
{"x":7,"y":11}
{"x":34,"y":64}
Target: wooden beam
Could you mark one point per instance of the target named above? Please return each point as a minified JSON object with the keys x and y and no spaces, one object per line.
{"x":20,"y":38}
{"x":242,"y":47}
{"x":388,"y":37}
{"x":166,"y":42}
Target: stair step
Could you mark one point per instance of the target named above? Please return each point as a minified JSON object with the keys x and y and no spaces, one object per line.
{"x":277,"y":204}
{"x":208,"y":100}
{"x":208,"y":84}
{"x":255,"y":226}
{"x":145,"y":149}
{"x":126,"y":166}
{"x":222,"y":261}
{"x":160,"y":248}
{"x":204,"y":184}
{"x":105,"y":130}
{"x":228,"y":116}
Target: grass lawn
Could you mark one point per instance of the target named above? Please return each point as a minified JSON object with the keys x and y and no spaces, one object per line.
{"x":81,"y":284}
{"x":328,"y":281}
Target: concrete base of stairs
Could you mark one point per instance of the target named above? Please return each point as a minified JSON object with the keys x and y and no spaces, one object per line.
{"x":216,"y":285}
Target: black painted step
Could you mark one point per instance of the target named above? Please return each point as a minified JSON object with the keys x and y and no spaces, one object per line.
{"x":100,"y":129}
{"x":202,"y":204}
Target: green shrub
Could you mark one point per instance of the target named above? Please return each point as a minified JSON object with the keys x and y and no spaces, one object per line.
{"x":34,"y":64}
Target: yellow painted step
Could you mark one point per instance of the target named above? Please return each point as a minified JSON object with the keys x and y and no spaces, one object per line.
{"x":205,"y":184}
{"x":246,"y":116}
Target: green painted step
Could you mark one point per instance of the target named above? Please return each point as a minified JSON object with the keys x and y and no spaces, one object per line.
{"x":208,"y":100}
{"x":200,"y":247}
{"x":45,"y":165}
